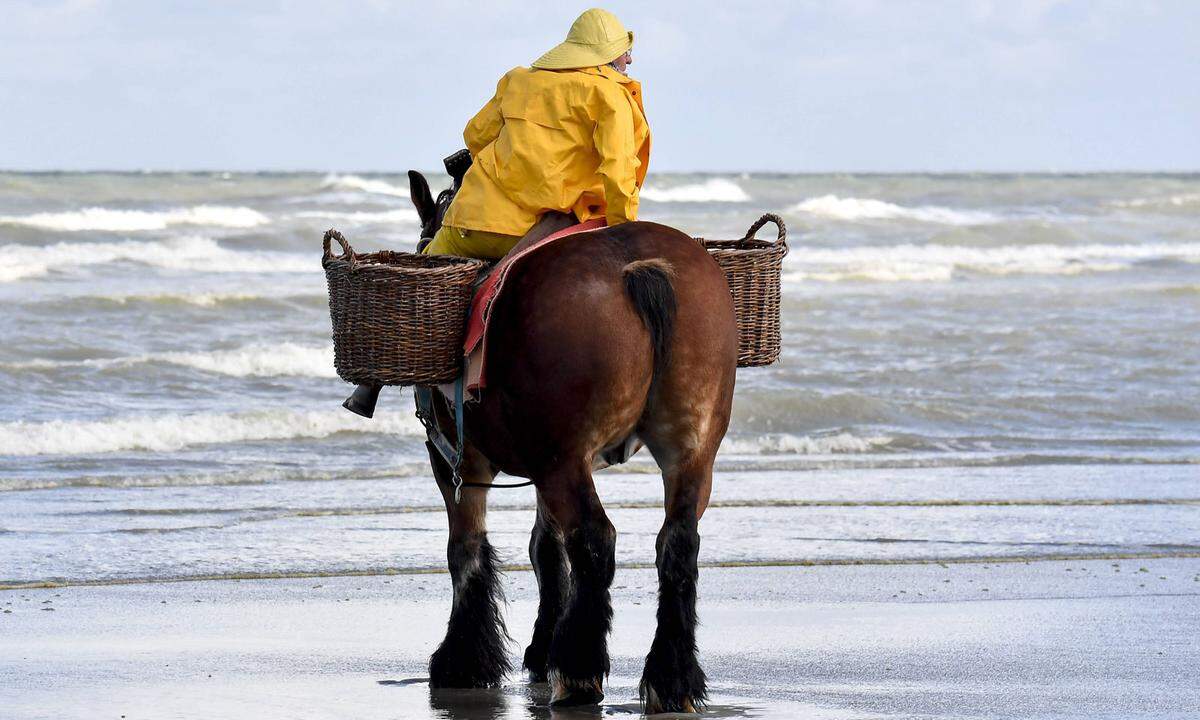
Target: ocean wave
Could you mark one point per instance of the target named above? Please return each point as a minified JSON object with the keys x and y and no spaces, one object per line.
{"x":369,"y":185}
{"x":241,"y":477}
{"x":195,"y":253}
{"x":1168,"y":201}
{"x":838,"y":208}
{"x":788,"y":444}
{"x":933,"y":263}
{"x":711,"y":190}
{"x":206,"y":299}
{"x":106,"y":219}
{"x":87,"y":302}
{"x":403,"y":215}
{"x":263,"y":360}
{"x":256,"y":360}
{"x":169,"y":432}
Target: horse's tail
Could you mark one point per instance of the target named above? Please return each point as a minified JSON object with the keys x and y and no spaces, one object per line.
{"x":648,"y":283}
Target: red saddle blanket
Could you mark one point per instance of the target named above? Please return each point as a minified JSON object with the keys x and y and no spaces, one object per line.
{"x":475,"y":346}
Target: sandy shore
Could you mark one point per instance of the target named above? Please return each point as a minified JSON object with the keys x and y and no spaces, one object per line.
{"x":1029,"y":640}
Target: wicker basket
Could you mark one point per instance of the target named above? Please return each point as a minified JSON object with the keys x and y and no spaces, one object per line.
{"x":752,"y":268}
{"x":398,"y":318}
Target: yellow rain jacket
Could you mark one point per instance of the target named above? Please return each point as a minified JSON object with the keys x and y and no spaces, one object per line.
{"x":566,"y":140}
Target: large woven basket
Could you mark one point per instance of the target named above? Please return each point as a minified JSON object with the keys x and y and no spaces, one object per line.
{"x":398,"y":317}
{"x":753,"y":268}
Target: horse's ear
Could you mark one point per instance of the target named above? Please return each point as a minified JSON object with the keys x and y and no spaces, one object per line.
{"x":422,"y":199}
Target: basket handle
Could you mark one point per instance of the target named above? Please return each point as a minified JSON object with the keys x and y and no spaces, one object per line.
{"x":768,"y":217}
{"x":347,"y":251}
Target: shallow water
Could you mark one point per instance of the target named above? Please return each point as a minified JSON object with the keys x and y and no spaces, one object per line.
{"x":170,"y":407}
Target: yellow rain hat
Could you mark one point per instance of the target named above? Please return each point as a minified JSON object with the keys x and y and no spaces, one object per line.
{"x":597,"y":37}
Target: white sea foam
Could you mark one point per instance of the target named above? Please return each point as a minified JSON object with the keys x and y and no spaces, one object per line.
{"x":928,"y":263}
{"x":257,"y":360}
{"x":106,"y":219}
{"x":170,"y":432}
{"x":788,"y":444}
{"x":258,"y":476}
{"x":403,"y":215}
{"x":1167,"y":201}
{"x":206,"y":299}
{"x":195,"y":253}
{"x":263,"y":360}
{"x":354,"y":182}
{"x":711,"y":190}
{"x":851,"y":209}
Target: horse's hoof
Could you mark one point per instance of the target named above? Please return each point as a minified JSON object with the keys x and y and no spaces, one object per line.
{"x":535,"y":667}
{"x":566,"y":691}
{"x":655,"y":705}
{"x":449,"y":669}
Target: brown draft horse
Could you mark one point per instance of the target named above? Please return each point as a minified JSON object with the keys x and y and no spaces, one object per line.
{"x":620,"y":335}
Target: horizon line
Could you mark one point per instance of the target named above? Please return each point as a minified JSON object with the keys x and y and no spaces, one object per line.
{"x":312,"y":171}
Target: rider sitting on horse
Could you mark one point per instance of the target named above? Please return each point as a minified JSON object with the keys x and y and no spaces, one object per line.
{"x":568,"y":135}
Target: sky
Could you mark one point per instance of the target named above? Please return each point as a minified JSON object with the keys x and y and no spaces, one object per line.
{"x":803,"y":86}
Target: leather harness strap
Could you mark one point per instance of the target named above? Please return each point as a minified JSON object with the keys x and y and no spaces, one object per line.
{"x":451,"y":453}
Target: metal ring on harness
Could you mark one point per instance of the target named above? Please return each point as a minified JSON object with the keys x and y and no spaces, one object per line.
{"x":453,"y":455}
{"x":458,"y":429}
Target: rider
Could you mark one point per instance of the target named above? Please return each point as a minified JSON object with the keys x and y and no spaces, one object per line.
{"x":567,"y":135}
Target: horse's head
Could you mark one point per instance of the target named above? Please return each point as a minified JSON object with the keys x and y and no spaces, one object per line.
{"x":430,"y":212}
{"x":427,"y":209}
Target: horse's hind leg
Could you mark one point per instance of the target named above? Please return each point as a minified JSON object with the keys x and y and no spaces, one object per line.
{"x":683,"y":430}
{"x":474,"y":652}
{"x":548,"y":555}
{"x":578,"y":657}
{"x":672,"y":680}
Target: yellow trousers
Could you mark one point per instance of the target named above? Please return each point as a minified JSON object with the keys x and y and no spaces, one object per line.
{"x":470,"y":243}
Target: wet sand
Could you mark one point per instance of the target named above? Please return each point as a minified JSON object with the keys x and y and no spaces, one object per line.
{"x":1096,"y":638}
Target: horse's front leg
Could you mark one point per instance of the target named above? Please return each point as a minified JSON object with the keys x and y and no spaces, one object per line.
{"x":578,"y":659}
{"x":475,"y":650}
{"x":548,"y":555}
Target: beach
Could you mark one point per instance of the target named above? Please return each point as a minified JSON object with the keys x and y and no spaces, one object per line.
{"x":1050,"y":639}
{"x":969,"y":488}
{"x":1036,"y":592}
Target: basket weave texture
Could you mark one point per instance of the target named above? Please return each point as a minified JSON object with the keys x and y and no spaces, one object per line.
{"x":398,"y":318}
{"x":753,"y":269}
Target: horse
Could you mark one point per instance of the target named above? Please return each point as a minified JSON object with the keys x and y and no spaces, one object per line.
{"x":607,"y":340}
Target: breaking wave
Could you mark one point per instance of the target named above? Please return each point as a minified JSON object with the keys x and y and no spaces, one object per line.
{"x":838,"y":208}
{"x":405,"y":215}
{"x":106,"y":219}
{"x":194,"y":253}
{"x":205,"y":299}
{"x":239,"y":477}
{"x":251,"y":361}
{"x":1169,"y":201}
{"x":928,"y":263}
{"x":369,"y":185}
{"x":788,"y":444}
{"x":258,"y":360}
{"x":711,"y":190}
{"x":170,"y":432}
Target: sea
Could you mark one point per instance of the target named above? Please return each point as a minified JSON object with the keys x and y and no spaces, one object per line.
{"x":976,"y":368}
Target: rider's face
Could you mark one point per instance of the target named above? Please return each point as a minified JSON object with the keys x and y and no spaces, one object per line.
{"x":622,"y":62}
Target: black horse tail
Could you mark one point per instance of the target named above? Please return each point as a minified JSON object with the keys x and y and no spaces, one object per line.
{"x":648,"y":283}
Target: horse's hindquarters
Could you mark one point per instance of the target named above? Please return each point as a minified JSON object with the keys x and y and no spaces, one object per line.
{"x":572,"y":360}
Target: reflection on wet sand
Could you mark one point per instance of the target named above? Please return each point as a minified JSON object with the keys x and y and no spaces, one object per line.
{"x":531,"y":700}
